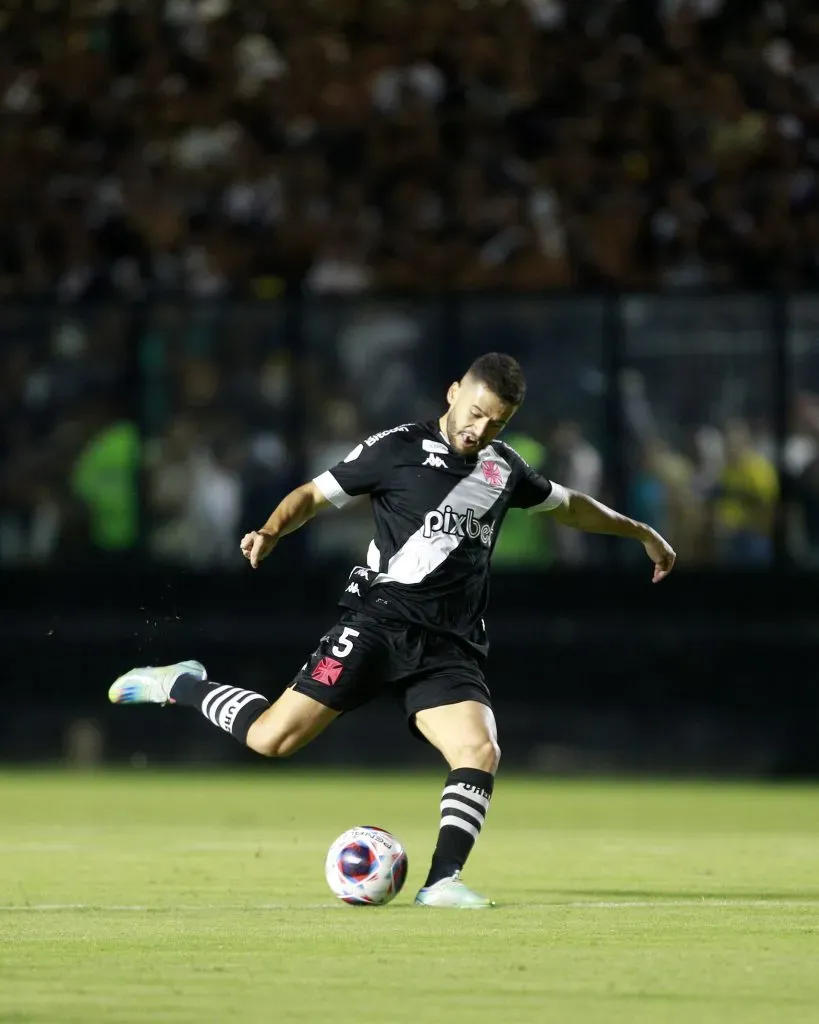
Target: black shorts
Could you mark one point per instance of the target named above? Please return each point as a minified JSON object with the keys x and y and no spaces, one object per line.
{"x":363,"y":657}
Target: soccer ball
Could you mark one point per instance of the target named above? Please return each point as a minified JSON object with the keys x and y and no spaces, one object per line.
{"x":366,"y":866}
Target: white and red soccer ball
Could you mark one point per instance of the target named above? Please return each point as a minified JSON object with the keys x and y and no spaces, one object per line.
{"x":366,"y":866}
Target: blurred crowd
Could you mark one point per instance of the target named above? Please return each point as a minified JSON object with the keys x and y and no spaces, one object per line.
{"x":167,"y":435}
{"x":250,"y":147}
{"x":171,"y":168}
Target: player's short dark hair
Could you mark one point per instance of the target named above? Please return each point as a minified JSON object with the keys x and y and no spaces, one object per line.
{"x":502,"y":375}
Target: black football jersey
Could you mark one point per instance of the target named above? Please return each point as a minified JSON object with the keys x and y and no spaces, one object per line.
{"x":437,"y":517}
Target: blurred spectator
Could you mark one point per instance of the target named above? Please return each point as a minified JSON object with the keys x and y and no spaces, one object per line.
{"x":335,"y":435}
{"x":663,"y":494}
{"x":340,"y":266}
{"x":576,"y":463}
{"x":105,"y":476}
{"x":802,"y":465}
{"x":378,"y":349}
{"x":524,"y":539}
{"x":744,"y":500}
{"x":195,"y":496}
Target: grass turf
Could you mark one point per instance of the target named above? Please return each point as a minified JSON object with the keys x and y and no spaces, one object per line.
{"x":131,"y":897}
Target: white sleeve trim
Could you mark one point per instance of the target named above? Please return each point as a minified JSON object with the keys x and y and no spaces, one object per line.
{"x":555,"y":500}
{"x":332,"y":489}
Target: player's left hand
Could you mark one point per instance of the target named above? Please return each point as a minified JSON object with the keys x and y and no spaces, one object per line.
{"x":661,"y":554}
{"x":256,"y":546}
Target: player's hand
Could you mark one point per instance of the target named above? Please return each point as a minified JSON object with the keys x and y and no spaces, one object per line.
{"x":661,"y":554}
{"x":256,"y":546}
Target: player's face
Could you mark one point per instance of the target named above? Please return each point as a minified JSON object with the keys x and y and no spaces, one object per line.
{"x":476,"y":416}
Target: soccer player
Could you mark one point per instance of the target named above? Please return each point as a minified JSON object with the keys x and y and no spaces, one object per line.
{"x":412,"y":619}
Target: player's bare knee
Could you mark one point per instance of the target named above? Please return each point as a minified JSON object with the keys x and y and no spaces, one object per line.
{"x":482,"y":754}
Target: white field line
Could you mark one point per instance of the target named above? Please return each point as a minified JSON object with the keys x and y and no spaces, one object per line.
{"x":705,"y":902}
{"x":10,"y":847}
{"x":164,"y":909}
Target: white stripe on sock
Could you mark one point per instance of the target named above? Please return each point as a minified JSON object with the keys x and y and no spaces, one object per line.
{"x":214,"y":694}
{"x":216,"y":706}
{"x":458,"y":805}
{"x":247,"y":697}
{"x":230,"y":709}
{"x":457,"y":789}
{"x":450,"y":819}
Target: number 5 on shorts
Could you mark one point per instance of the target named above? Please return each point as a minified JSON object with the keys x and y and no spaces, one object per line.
{"x":345,"y":644}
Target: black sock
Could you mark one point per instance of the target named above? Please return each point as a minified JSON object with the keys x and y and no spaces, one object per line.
{"x":227,"y":707}
{"x":464,"y":804}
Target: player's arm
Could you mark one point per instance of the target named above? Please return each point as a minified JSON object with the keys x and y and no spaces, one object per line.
{"x":582,"y":512}
{"x":292,"y":512}
{"x":359,"y":473}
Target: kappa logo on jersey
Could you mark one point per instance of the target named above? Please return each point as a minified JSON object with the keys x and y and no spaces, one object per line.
{"x":353,"y":589}
{"x":327,"y":671}
{"x":363,"y":573}
{"x":435,"y":462}
{"x":492,"y":473}
{"x":458,"y":525}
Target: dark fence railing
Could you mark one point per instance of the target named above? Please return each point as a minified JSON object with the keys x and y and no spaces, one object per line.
{"x":163,"y":431}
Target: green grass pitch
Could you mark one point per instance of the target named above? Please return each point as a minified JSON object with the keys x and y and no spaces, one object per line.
{"x":142,"y":897}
